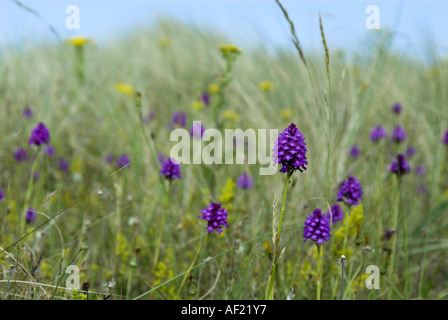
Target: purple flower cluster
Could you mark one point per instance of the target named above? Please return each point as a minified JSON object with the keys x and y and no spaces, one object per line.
{"x":245,"y":181}
{"x":336,"y":212}
{"x":197,"y":130}
{"x":49,"y":150}
{"x":63,"y":165}
{"x":290,"y":150}
{"x":109,"y":158}
{"x":179,"y":119}
{"x":40,"y":135}
{"x":445,"y":138}
{"x":397,"y":108}
{"x":28,"y":113}
{"x":378,"y":133}
{"x":2,"y":195}
{"x":123,"y":161}
{"x":401,"y":166}
{"x":161,"y":157}
{"x":354,"y":151}
{"x":170,"y":169}
{"x":21,"y":155}
{"x":399,"y":134}
{"x":411,"y":151}
{"x":30,"y":216}
{"x":350,"y":191}
{"x":388,"y":234}
{"x":420,"y":170}
{"x":205,"y":98}
{"x":317,"y":227}
{"x":216,"y":216}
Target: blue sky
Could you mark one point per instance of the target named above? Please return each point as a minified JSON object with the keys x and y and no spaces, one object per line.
{"x":415,"y":22}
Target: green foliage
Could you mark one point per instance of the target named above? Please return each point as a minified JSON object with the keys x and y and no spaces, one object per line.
{"x":89,"y":119}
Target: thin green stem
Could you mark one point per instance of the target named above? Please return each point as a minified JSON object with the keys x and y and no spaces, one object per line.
{"x":60,"y":278}
{"x":342,"y":279}
{"x":319,"y":270}
{"x":191,"y":266}
{"x":405,"y":244}
{"x":80,"y":64}
{"x":395,"y":243}
{"x":132,"y":267}
{"x":288,"y":177}
{"x":29,"y":191}
{"x":271,"y":281}
{"x":138,"y":105}
{"x":162,"y":226}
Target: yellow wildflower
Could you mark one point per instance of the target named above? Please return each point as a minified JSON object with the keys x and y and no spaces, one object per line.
{"x":160,"y":271}
{"x":78,"y":296}
{"x":161,"y":274}
{"x":433,"y":72}
{"x":164,"y":42}
{"x":12,"y":216}
{"x":127,"y":89}
{"x":228,"y":49}
{"x":78,"y":41}
{"x":227,"y":194}
{"x":307,"y":269}
{"x":267,"y":247}
{"x":359,"y":282}
{"x":197,"y":105}
{"x":445,"y":194}
{"x":213,"y":88}
{"x":46,"y":269}
{"x":287,"y":114}
{"x":266,"y":86}
{"x":231,"y":115}
{"x":122,"y":250}
{"x":350,"y":227}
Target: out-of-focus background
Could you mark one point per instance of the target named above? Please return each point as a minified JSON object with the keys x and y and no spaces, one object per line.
{"x":416,"y":24}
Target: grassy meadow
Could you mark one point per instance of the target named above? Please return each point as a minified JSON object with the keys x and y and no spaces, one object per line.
{"x":135,"y":235}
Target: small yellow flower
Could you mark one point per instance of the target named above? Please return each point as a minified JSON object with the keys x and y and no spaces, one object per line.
{"x":266,"y":86}
{"x":78,"y":296}
{"x":197,"y":105}
{"x":433,"y":72}
{"x":79,"y":41}
{"x":231,"y":115}
{"x":95,"y":267}
{"x":227,"y":194}
{"x":350,"y":228}
{"x":267,"y":247}
{"x":12,"y":217}
{"x":287,"y":113}
{"x":213,"y":88}
{"x":127,"y":89}
{"x":164,"y":42}
{"x":45,"y":269}
{"x":228,"y":49}
{"x":445,"y":194}
{"x":122,"y":250}
{"x":364,"y":85}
